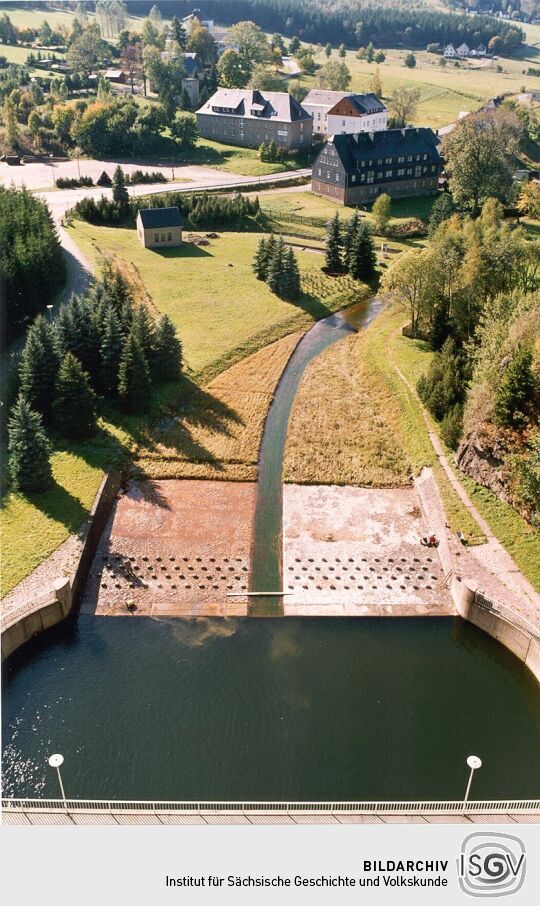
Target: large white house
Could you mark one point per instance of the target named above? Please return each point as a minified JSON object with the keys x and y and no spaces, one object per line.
{"x":338,"y":112}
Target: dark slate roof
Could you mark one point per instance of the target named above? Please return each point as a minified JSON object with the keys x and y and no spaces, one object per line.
{"x":387,"y":143}
{"x":192,"y":64}
{"x":255,"y":104}
{"x":365,"y":103}
{"x":160,"y":218}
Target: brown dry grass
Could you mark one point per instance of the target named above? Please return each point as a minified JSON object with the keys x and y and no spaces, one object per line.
{"x":341,"y":429}
{"x":218,"y":431}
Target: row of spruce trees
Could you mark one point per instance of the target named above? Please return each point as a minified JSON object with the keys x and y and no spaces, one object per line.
{"x":101,"y":346}
{"x":350,"y":248}
{"x":277,"y":266}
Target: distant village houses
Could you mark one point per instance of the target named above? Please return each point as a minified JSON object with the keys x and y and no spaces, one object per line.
{"x":250,"y":118}
{"x":464,"y":51}
{"x":336,"y":112}
{"x":355,"y":169}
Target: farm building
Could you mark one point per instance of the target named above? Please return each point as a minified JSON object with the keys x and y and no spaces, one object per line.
{"x":159,"y":227}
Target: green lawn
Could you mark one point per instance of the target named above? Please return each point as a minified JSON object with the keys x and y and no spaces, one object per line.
{"x":283,"y":209}
{"x":34,"y":526}
{"x":244,"y":161}
{"x":222,"y":312}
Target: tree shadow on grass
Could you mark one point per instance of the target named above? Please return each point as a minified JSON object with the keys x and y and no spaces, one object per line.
{"x":197,"y":409}
{"x":58,"y":504}
{"x":186,"y":250}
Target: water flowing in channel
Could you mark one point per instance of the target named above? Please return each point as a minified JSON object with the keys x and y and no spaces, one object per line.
{"x":266,"y":572}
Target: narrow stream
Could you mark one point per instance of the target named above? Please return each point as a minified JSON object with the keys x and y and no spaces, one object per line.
{"x":267,"y":535}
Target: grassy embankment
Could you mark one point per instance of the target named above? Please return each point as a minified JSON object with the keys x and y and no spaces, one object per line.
{"x":374,"y":433}
{"x":224,"y":316}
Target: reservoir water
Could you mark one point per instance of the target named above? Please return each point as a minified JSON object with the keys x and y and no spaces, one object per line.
{"x":269,"y":709}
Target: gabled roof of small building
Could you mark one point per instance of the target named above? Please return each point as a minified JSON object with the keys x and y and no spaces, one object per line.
{"x":255,"y":104}
{"x":360,"y":146}
{"x":325,"y":97}
{"x":363,"y":103}
{"x":160,"y":218}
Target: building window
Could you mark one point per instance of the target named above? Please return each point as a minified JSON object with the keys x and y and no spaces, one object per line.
{"x":156,"y":237}
{"x":163,"y":237}
{"x":401,"y":172}
{"x":169,"y":237}
{"x":319,"y":172}
{"x":388,"y":174}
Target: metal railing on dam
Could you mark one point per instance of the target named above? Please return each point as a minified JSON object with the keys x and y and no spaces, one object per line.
{"x":426,"y":807}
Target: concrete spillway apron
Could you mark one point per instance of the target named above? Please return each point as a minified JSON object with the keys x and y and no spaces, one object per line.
{"x":266,"y":546}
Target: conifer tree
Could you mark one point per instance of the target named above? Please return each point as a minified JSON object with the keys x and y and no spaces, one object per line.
{"x":333,"y":245}
{"x":119,"y":191}
{"x":275,"y":268}
{"x":290,"y":283}
{"x":111,"y":353}
{"x":350,"y":230}
{"x":28,"y":449}
{"x":167,"y":351}
{"x":134,"y":385}
{"x":260,"y":261}
{"x":362,"y":259}
{"x":39,"y":366}
{"x":75,"y":403}
{"x":79,"y":333}
{"x":143,"y":328}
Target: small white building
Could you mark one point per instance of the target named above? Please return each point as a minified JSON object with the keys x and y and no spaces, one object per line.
{"x":357,"y":113}
{"x":450,"y":52}
{"x":337,"y":112}
{"x":159,"y":227}
{"x":463,"y":51}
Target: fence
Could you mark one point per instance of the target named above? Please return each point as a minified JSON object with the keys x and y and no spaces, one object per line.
{"x":508,"y":615}
{"x":498,"y":806}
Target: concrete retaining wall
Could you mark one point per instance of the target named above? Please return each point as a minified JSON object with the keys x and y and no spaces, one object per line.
{"x":516,"y":638}
{"x":32,"y":618}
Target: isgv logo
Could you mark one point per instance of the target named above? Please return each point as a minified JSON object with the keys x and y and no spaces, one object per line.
{"x":491,"y":865}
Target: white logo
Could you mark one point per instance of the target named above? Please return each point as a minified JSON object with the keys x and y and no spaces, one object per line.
{"x":491,"y":865}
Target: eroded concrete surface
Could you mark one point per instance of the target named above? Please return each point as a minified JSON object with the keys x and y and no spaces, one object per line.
{"x":180,"y":548}
{"x":174,"y":548}
{"x":356,"y":551}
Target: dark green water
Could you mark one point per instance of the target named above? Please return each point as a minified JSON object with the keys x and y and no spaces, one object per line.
{"x":269,"y":708}
{"x":266,"y":541}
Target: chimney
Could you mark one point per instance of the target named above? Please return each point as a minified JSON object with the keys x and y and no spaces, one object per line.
{"x":403,"y":132}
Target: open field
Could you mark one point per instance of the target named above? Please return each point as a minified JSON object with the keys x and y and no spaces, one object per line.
{"x":226,"y":314}
{"x":341,"y":428}
{"x":444,"y":92}
{"x":218,"y":429}
{"x":33,"y":18}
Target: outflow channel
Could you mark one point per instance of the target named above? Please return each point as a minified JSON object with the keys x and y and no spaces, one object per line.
{"x":266,"y":560}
